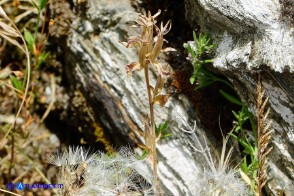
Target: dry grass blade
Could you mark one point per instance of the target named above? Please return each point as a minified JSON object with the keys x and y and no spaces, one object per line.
{"x":26,"y":51}
{"x":2,"y":12}
{"x":11,"y":40}
{"x":8,"y":30}
{"x":18,"y":18}
{"x":9,"y":192}
{"x":225,"y":158}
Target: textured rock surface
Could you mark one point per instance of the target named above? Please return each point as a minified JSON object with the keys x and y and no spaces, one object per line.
{"x":254,"y":38}
{"x":257,"y":37}
{"x":96,"y":61}
{"x":252,"y":32}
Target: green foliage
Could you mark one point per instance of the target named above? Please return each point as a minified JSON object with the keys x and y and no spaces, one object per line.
{"x":201,"y":47}
{"x":250,"y":163}
{"x":250,"y":169}
{"x":231,"y":98}
{"x":42,"y":4}
{"x":162,"y":131}
{"x":41,"y":58}
{"x":34,"y":46}
{"x":30,"y":40}
{"x":200,"y":54}
{"x":144,"y":154}
{"x":16,"y":83}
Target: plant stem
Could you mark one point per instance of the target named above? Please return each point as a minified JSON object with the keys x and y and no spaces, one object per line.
{"x":27,"y":81}
{"x":152,"y":129}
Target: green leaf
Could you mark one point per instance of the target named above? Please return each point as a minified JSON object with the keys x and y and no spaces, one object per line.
{"x":208,"y":61}
{"x":195,"y":37}
{"x":237,"y":129}
{"x":167,"y":135}
{"x":42,"y":58}
{"x":244,"y":166}
{"x":16,"y":83}
{"x":235,"y":114}
{"x":248,"y":149}
{"x":162,"y":130}
{"x":231,"y":98}
{"x":29,"y":39}
{"x":164,"y":126}
{"x":157,"y":130}
{"x":42,"y":4}
{"x":233,"y":136}
{"x":246,"y":145}
{"x":143,"y":156}
{"x":192,"y":79}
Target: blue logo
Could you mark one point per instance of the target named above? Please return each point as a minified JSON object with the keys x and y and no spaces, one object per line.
{"x":20,"y":186}
{"x":10,"y":186}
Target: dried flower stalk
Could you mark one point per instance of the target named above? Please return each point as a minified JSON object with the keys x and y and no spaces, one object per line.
{"x":149,"y":45}
{"x":264,"y":136}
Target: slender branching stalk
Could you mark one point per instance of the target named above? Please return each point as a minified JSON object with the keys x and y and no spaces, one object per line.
{"x":149,"y":45}
{"x":264,"y":136}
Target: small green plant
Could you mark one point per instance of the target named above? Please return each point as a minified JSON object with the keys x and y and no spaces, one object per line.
{"x":33,"y":49}
{"x":249,"y":165}
{"x":22,"y":81}
{"x":35,"y":43}
{"x":162,"y":131}
{"x":200,"y":52}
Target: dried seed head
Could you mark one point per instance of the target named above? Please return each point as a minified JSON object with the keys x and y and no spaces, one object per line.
{"x":149,"y":43}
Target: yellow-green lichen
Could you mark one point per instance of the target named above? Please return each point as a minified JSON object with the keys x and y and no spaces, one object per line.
{"x":102,"y":138}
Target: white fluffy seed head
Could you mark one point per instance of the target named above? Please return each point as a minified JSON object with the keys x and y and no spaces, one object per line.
{"x":85,"y":173}
{"x":72,"y":156}
{"x":217,"y":178}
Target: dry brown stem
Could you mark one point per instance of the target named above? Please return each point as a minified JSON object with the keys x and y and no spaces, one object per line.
{"x":149,"y":45}
{"x":264,"y":136}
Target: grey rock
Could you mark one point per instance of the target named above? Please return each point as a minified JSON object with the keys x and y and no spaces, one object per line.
{"x":96,"y":60}
{"x":255,"y":39}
